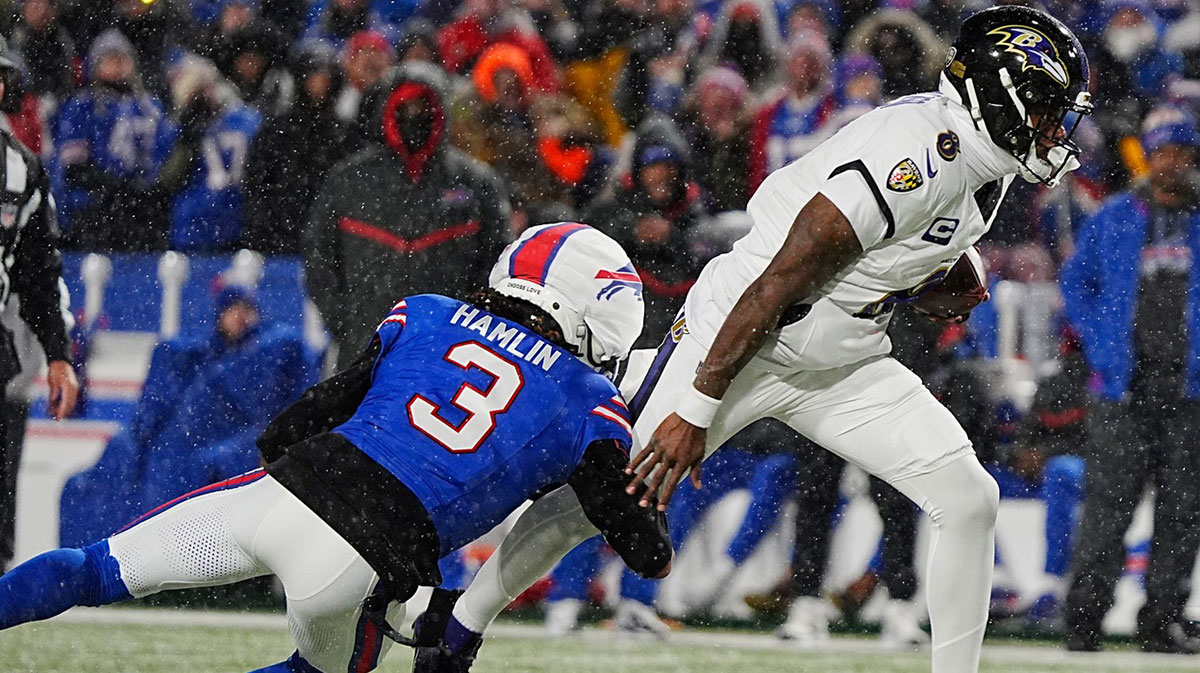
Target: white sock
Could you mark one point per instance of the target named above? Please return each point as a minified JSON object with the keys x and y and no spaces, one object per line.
{"x":961,"y":498}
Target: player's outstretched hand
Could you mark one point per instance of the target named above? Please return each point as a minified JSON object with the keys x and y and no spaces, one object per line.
{"x":675,"y":448}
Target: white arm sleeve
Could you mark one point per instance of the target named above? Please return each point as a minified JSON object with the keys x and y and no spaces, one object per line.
{"x":552,"y":526}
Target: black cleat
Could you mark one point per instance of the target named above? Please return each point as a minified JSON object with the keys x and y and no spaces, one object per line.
{"x":1171,"y":639}
{"x":1082,"y":641}
{"x":432,"y":654}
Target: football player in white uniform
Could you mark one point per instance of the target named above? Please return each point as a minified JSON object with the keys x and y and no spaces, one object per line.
{"x":792,"y":323}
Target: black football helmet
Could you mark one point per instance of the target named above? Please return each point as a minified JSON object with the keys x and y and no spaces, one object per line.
{"x":1024,"y":77}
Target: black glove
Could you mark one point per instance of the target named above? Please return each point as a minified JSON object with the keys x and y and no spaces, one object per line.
{"x":432,"y":655}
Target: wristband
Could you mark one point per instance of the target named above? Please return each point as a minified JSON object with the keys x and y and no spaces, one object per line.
{"x":697,"y":408}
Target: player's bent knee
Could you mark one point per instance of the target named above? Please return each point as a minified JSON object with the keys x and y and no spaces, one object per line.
{"x":960,"y":495}
{"x":979,"y":499}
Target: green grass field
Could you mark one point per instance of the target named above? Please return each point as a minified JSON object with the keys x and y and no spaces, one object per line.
{"x":158,"y":645}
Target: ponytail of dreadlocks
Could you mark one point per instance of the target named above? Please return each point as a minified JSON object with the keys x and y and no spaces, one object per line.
{"x":522,"y":312}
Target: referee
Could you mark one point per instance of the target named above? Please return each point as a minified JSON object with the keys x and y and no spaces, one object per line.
{"x":29,"y":266}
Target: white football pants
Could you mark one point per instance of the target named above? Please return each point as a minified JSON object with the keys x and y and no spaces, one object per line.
{"x":876,"y":414}
{"x":251,"y":526}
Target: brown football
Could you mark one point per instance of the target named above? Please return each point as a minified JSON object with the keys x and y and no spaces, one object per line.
{"x":963,"y":288}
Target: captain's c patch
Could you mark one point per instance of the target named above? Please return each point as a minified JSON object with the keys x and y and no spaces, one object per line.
{"x":905,"y":177}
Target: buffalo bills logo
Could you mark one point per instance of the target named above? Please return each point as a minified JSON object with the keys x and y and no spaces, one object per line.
{"x":625,"y":277}
{"x":1037,"y":52}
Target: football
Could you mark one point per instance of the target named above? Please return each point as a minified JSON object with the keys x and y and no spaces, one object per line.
{"x":964,"y":287}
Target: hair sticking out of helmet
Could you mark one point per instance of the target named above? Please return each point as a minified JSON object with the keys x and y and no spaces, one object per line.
{"x":1024,"y":77}
{"x":584,"y":281}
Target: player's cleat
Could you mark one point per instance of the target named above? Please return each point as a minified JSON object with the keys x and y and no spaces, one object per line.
{"x":562,"y":616}
{"x":634,"y":617}
{"x":901,"y":627}
{"x":807,"y":624}
{"x":433,"y":653}
{"x":1083,"y":640}
{"x":1170,"y":639}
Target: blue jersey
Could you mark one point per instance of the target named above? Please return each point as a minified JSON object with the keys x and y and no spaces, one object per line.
{"x":208,"y":213}
{"x":125,"y":136}
{"x":474,"y":413}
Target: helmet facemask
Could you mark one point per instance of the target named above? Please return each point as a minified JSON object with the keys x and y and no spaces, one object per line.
{"x":1047,"y":123}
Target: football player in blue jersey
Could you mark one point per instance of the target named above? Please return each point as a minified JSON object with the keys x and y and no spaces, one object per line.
{"x":456,"y":413}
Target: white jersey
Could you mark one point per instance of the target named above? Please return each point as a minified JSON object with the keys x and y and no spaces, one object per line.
{"x":918,"y":183}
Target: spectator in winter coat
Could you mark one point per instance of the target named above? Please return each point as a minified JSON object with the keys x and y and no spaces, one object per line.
{"x":336,"y":21}
{"x":112,"y":138}
{"x":154,"y":29}
{"x":592,"y":73}
{"x":858,"y":89}
{"x":1135,"y":68}
{"x":1132,"y":291}
{"x":483,"y":23}
{"x":253,"y":60}
{"x":407,"y":215}
{"x":23,"y":111}
{"x":498,"y":124}
{"x":718,"y":129}
{"x":657,"y":73}
{"x":908,"y":50}
{"x":203,"y":176}
{"x":787,"y":126}
{"x":366,"y":59}
{"x":203,"y":404}
{"x":419,"y":43}
{"x":292,"y":155}
{"x":48,"y":50}
{"x":810,"y":16}
{"x":651,"y":214}
{"x":747,"y":38}
{"x":1047,"y":455}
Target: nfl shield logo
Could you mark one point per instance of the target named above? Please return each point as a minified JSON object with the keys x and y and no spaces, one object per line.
{"x":8,"y":215}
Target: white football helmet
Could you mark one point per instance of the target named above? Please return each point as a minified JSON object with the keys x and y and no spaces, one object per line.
{"x":584,"y":280}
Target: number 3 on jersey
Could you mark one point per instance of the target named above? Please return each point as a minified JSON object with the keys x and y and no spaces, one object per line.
{"x":481,"y":406}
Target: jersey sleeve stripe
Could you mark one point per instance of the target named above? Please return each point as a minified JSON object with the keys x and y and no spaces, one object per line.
{"x":616,"y":399}
{"x":398,"y":317}
{"x":608,"y":414}
{"x":858,"y":165}
{"x":623,"y":413}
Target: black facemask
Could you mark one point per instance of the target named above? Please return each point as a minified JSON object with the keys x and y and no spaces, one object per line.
{"x":416,"y":126}
{"x":742,"y":46}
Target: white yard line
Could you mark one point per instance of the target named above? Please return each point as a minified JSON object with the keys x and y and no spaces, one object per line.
{"x":1032,"y":655}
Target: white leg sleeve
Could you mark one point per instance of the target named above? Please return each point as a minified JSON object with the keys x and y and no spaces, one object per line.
{"x":544,"y":533}
{"x":961,"y":498}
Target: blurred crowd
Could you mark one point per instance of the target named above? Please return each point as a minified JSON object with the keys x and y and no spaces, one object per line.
{"x":210,"y":125}
{"x":396,"y":145}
